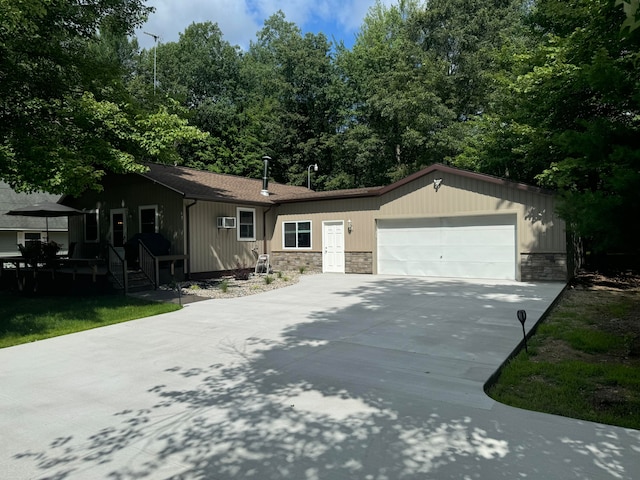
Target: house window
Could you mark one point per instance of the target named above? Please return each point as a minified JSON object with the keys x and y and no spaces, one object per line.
{"x":27,"y":237}
{"x":246,"y":224}
{"x":297,"y":234}
{"x":91,"y":231}
{"x":148,"y":219}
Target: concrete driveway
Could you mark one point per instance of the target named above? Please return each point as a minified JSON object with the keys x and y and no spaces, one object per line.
{"x":337,"y":377}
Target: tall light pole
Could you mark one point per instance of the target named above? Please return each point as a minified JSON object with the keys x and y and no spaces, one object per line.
{"x":155,"y":52}
{"x":315,"y":169}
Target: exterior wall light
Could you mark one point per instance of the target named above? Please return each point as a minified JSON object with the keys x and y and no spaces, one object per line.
{"x":437,"y":182}
{"x":315,"y":169}
{"x":349,"y":226}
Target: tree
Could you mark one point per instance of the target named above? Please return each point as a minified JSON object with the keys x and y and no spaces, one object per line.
{"x":65,"y":115}
{"x":203,"y":72}
{"x":595,"y":126}
{"x":394,"y":111}
{"x":293,"y":85}
{"x":632,"y":12}
{"x":572,"y":119}
{"x":419,"y":71}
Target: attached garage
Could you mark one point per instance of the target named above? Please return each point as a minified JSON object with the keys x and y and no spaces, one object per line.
{"x":481,"y":246}
{"x":438,"y":222}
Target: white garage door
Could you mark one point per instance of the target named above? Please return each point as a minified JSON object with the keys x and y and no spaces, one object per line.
{"x":458,"y":247}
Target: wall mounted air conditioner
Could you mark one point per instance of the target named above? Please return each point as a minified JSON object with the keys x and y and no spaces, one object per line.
{"x":226,"y":222}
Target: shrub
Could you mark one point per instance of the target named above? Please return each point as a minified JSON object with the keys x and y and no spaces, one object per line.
{"x":224,"y":286}
{"x":241,"y":272}
{"x":268,"y":279}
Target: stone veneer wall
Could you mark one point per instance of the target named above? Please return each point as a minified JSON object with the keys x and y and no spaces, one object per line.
{"x":358,"y":262}
{"x":355,"y":262}
{"x":543,"y":266}
{"x":293,"y":260}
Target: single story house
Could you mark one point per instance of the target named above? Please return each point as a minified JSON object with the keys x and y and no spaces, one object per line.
{"x":440,"y":222}
{"x":15,"y":229}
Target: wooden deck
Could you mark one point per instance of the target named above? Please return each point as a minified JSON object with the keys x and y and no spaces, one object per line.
{"x":63,"y":275}
{"x":58,"y":275}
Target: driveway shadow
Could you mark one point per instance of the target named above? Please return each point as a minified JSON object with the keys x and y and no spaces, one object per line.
{"x":383,"y":380}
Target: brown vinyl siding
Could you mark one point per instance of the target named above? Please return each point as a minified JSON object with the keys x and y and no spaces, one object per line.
{"x":539,"y":231}
{"x":215,"y":249}
{"x":182,"y":194}
{"x":130,"y":192}
{"x":458,"y":196}
{"x":464,"y":196}
{"x":361,"y":212}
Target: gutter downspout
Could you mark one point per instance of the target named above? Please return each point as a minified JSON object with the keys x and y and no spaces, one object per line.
{"x":264,"y":229}
{"x":188,"y":237}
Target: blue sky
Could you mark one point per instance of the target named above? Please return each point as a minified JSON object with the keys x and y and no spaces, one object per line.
{"x":239,"y":20}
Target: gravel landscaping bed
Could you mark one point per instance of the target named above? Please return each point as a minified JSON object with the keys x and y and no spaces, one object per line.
{"x":230,"y":287}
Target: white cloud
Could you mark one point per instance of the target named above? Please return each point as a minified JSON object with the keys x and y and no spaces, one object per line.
{"x":172,"y":17}
{"x":240,"y":20}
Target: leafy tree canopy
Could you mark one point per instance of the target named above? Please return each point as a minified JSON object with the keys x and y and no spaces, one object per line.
{"x":570,"y":119}
{"x":65,"y":118}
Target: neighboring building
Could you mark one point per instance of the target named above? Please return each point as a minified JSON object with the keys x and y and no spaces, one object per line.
{"x":440,"y":222}
{"x":16,"y":229}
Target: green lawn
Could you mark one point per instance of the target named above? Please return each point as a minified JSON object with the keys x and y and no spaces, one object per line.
{"x":29,"y":318}
{"x":583,"y":362}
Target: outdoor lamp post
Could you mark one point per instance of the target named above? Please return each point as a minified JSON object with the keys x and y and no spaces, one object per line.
{"x":315,"y":169}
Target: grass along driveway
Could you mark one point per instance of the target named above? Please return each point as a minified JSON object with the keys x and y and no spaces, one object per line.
{"x":26,"y":319}
{"x":584,"y":360}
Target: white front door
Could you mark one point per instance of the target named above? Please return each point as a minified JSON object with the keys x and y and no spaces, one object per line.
{"x":119,"y":229}
{"x":333,"y":246}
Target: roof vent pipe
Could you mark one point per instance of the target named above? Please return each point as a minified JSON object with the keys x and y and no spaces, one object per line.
{"x":265,"y":177}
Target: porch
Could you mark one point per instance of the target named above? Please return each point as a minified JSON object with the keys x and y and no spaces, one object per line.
{"x":106,"y":273}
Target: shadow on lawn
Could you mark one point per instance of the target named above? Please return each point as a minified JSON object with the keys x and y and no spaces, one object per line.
{"x":260,"y":416}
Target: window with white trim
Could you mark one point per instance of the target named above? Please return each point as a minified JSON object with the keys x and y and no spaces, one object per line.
{"x":246,"y":224}
{"x":27,"y":237}
{"x":91,"y":227}
{"x":296,"y":234}
{"x":148,"y":218}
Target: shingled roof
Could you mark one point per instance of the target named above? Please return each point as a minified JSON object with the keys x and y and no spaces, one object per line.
{"x":378,"y":191}
{"x":10,"y":200}
{"x":203,"y":185}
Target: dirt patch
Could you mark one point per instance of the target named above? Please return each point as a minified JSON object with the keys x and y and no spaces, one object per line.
{"x":553,"y":350}
{"x":607,"y":397}
{"x":620,"y":282}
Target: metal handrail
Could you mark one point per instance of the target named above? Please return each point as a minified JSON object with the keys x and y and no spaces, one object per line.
{"x":148,"y":264}
{"x":117,"y":267}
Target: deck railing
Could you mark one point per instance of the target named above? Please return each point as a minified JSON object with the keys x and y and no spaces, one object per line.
{"x":117,"y":266}
{"x":148,"y":263}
